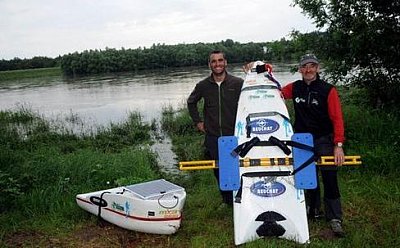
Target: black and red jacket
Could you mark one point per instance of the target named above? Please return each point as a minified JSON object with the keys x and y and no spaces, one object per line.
{"x":317,"y":108}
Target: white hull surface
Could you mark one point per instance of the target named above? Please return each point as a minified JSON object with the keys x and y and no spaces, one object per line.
{"x":150,"y":207}
{"x":269,"y":204}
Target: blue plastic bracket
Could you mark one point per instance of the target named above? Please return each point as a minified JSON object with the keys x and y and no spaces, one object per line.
{"x":307,"y":177}
{"x":229,"y":176}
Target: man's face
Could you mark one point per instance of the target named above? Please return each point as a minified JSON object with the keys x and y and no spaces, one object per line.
{"x":217,"y":63}
{"x":309,"y":72}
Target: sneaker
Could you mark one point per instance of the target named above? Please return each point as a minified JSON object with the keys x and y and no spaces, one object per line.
{"x":336,"y":226}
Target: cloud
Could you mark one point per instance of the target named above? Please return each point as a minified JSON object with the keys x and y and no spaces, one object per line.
{"x":52,"y":28}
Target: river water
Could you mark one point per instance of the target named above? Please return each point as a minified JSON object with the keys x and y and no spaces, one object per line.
{"x":101,"y":99}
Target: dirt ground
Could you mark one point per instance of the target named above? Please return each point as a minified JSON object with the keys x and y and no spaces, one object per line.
{"x":94,"y":236}
{"x":103,"y":234}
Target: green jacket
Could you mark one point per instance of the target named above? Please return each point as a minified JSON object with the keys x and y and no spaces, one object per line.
{"x":220,"y":104}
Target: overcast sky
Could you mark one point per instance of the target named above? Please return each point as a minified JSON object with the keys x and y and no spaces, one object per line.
{"x":50,"y":28}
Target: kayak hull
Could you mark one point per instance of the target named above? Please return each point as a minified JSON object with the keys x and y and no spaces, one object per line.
{"x":158,"y":213}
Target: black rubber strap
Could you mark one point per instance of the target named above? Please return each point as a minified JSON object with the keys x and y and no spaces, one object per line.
{"x":283,"y":146}
{"x":304,"y":165}
{"x":245,"y":147}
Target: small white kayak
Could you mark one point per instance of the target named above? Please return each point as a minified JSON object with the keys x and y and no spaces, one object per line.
{"x":150,"y":207}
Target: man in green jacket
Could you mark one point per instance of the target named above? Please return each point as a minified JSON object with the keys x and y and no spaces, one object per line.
{"x":220,"y":92}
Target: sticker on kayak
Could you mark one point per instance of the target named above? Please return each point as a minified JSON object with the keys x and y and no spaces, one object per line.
{"x":263,"y":126}
{"x":267,"y":189}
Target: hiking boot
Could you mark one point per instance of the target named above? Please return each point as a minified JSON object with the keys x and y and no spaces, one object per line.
{"x":336,"y":226}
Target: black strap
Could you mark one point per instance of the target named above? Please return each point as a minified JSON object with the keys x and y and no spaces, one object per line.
{"x":245,"y":147}
{"x":100,"y":205}
{"x":280,"y":144}
{"x":299,"y":145}
{"x":284,"y":146}
{"x":304,"y":165}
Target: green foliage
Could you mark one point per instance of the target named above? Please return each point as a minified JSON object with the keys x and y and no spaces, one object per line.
{"x":157,"y":56}
{"x":361,"y":46}
{"x":33,"y":63}
{"x":185,"y":137}
{"x":39,"y":161}
{"x":130,"y":133}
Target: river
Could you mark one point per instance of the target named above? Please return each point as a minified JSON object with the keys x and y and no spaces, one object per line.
{"x":101,"y":99}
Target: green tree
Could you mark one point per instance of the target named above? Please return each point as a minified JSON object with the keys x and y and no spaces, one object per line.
{"x":362,"y":43}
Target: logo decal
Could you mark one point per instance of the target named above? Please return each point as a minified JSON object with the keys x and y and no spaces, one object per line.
{"x":239,"y":128}
{"x":254,"y":97}
{"x":299,"y":99}
{"x":117,"y":206}
{"x":169,"y":213}
{"x":127,"y":208}
{"x":267,"y":189}
{"x":263,"y":126}
{"x":288,"y":128}
{"x":315,"y":102}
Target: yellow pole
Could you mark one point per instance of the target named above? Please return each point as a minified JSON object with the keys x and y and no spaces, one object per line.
{"x":246,"y":162}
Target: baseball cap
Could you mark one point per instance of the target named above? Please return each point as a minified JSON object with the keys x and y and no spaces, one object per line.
{"x":308,"y":58}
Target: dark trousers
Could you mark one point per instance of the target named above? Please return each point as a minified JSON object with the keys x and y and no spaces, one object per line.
{"x":332,"y":205}
{"x":211,"y":153}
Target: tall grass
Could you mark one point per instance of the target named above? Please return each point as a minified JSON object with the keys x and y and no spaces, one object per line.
{"x":187,"y":141}
{"x":42,"y":168}
{"x":372,"y":133}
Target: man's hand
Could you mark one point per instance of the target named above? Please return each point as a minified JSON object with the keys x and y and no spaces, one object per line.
{"x":247,"y":67}
{"x":200,"y":127}
{"x":339,"y":155}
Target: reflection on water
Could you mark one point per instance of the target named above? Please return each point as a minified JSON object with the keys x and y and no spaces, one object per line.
{"x":99,"y":100}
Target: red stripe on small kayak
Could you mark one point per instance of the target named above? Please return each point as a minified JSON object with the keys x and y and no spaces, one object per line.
{"x":131,"y":216}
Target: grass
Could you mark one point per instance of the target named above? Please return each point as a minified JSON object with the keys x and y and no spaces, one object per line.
{"x":30,"y":73}
{"x":43,"y":167}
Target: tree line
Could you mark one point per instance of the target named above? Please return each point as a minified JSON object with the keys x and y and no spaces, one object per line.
{"x":158,"y":56}
{"x":165,"y":56}
{"x":33,"y":63}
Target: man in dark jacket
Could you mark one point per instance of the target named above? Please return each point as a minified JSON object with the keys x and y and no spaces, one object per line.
{"x":318,"y":111}
{"x":220,"y":92}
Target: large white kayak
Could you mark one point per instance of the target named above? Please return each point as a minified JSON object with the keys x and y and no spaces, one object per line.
{"x":150,"y":207}
{"x":267,"y":203}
